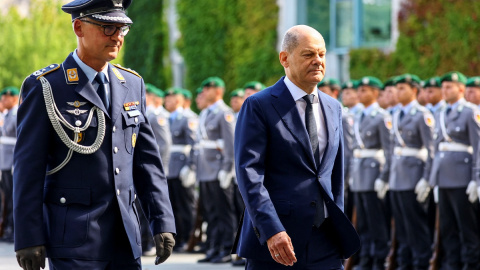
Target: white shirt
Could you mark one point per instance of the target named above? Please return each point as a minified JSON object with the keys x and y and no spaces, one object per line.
{"x":92,"y":73}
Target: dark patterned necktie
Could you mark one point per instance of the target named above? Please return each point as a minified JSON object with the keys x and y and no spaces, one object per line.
{"x":101,"y":79}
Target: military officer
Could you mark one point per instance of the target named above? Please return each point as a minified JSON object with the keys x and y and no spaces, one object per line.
{"x":181,"y":172}
{"x":330,"y":87}
{"x":410,"y":167}
{"x":188,"y":103}
{"x":391,"y":95}
{"x":456,"y":140}
{"x":370,"y":169}
{"x":85,"y":152}
{"x":472,"y":92}
{"x":237,"y":97}
{"x":433,"y":90}
{"x":252,"y":88}
{"x":215,"y":170}
{"x":7,"y":143}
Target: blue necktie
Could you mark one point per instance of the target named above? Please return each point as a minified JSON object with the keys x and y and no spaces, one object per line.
{"x":101,"y":79}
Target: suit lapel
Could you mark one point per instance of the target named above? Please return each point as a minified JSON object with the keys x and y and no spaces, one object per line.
{"x":330,"y":124}
{"x":287,"y":109}
{"x":118,"y":93}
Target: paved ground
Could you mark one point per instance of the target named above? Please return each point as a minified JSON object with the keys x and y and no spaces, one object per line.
{"x":175,"y":262}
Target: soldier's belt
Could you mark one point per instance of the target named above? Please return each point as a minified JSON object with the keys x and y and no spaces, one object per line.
{"x":455,"y":147}
{"x":209,"y":144}
{"x":8,"y":140}
{"x":368,"y":153}
{"x":181,"y":148}
{"x":420,"y":153}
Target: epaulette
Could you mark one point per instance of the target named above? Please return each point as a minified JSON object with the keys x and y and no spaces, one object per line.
{"x":127,"y":69}
{"x":44,"y":71}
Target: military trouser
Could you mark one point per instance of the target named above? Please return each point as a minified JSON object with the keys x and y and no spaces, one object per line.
{"x":7,"y":188}
{"x":183,"y":205}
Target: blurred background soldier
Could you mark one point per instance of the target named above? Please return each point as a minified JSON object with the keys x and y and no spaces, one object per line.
{"x":409,"y":171}
{"x":181,"y":172}
{"x":187,"y":104}
{"x":472,"y":92}
{"x":370,"y":169}
{"x":433,"y":90}
{"x":8,"y":140}
{"x":215,"y":170}
{"x":330,"y":87}
{"x":252,"y":88}
{"x":237,"y":97}
{"x":391,"y":96}
{"x":457,"y":136}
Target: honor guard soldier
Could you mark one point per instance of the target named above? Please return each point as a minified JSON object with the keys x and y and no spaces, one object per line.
{"x":472,"y":93}
{"x":237,"y":97}
{"x":181,"y":172}
{"x":188,"y":103}
{"x":410,"y":168}
{"x":252,"y":88}
{"x":352,"y":108}
{"x":457,"y":136}
{"x":215,"y":170}
{"x":7,"y":144}
{"x":433,"y":90}
{"x":370,"y":169}
{"x":85,"y":152}
{"x":330,"y":87}
{"x":390,"y":92}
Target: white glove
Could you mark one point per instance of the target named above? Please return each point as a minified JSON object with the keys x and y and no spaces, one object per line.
{"x":381,"y":188}
{"x":187,"y":176}
{"x":435,"y":194}
{"x":472,"y":191}
{"x":422,"y":189}
{"x":225,"y":179}
{"x":350,"y":182}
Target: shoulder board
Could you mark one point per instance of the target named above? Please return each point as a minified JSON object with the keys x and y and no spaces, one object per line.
{"x":128,"y":70}
{"x":471,"y":106}
{"x":44,"y":71}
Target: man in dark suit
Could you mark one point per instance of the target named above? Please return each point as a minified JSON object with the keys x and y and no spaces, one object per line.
{"x":289,"y":165}
{"x":85,"y":153}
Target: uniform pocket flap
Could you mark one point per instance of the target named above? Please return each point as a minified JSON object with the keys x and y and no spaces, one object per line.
{"x":133,"y":120}
{"x":66,"y":196}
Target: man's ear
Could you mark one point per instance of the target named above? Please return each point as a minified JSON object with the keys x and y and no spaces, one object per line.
{"x":78,"y":28}
{"x":283,"y":57}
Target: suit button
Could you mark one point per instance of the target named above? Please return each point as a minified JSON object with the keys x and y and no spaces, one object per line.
{"x":313,"y":203}
{"x":115,"y":149}
{"x":118,"y":192}
{"x":136,"y":119}
{"x":78,"y":123}
{"x":114,"y":128}
{"x":63,"y":200}
{"x":117,"y":170}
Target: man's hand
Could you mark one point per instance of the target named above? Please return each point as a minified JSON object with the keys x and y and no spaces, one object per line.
{"x":281,"y":249}
{"x":381,"y":188}
{"x":187,"y":176}
{"x":31,"y":258}
{"x":225,"y":179}
{"x":422,"y":189}
{"x":472,"y":191}
{"x":164,"y":243}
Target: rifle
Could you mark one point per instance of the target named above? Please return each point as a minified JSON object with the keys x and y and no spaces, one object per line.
{"x":435,"y":260}
{"x":392,"y":254}
{"x":196,"y":233}
{"x":349,"y":263}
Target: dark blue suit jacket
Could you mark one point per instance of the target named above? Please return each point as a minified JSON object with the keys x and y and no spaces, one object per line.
{"x":277,"y":175}
{"x":75,"y":211}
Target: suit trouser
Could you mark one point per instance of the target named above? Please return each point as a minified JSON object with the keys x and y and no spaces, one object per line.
{"x":183,"y":205}
{"x":459,"y":229}
{"x":218,"y":212}
{"x":321,"y":252}
{"x":371,"y":226}
{"x":7,"y":187}
{"x":412,"y":230}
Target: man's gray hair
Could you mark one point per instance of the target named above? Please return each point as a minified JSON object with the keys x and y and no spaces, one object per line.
{"x":290,"y":40}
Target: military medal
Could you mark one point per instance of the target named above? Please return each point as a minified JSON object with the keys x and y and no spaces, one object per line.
{"x":130,"y":105}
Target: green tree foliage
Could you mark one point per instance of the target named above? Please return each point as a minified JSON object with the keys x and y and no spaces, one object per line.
{"x":231,"y":39}
{"x":30,"y":43}
{"x":146,"y":45}
{"x":435,"y":37}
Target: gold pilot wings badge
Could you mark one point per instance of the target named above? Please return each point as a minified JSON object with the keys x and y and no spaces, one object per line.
{"x":76,"y":103}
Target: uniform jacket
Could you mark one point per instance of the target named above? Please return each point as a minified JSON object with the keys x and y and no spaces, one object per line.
{"x":416,"y":131}
{"x":374,"y":132}
{"x":73,"y":211}
{"x":161,"y":128}
{"x":9,"y":134}
{"x":183,"y":129}
{"x":278,"y":176}
{"x":348,"y":118}
{"x":456,"y":169}
{"x":215,"y":125}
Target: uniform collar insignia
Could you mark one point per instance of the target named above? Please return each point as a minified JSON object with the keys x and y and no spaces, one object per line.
{"x":119,"y":75}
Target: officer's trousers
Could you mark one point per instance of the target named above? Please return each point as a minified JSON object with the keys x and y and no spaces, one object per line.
{"x":459,"y":229}
{"x":218,"y":212}
{"x":183,"y":205}
{"x":413,"y":235}
{"x":238,"y":204}
{"x":7,"y":188}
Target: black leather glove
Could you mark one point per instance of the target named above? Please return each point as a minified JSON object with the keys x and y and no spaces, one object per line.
{"x":164,"y":243}
{"x":31,"y":258}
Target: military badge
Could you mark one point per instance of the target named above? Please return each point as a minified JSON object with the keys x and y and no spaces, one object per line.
{"x":118,"y":74}
{"x":131,"y":105}
{"x":80,"y":137}
{"x":388,"y":122}
{"x":229,"y":117}
{"x":77,"y":112}
{"x":72,"y":75}
{"x":134,"y":139}
{"x":455,"y":77}
{"x":192,"y":124}
{"x":476,"y":117}
{"x":429,"y":120}
{"x":161,"y":121}
{"x":76,"y":103}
